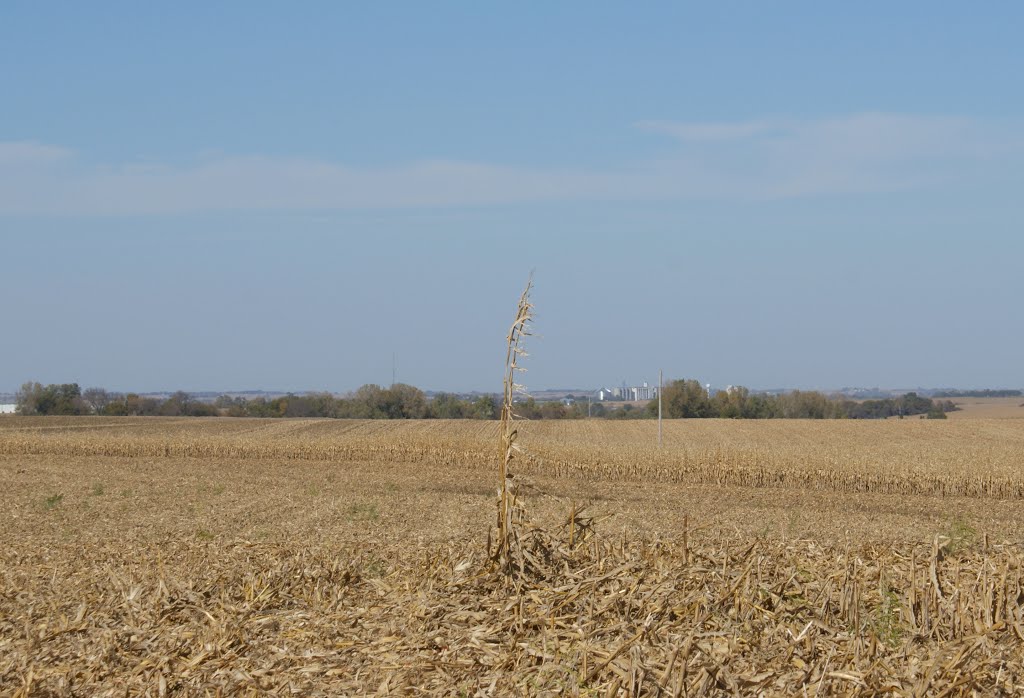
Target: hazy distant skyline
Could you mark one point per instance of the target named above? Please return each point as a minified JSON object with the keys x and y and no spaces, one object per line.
{"x":233,"y":197}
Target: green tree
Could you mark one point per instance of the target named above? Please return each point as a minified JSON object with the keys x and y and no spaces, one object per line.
{"x":27,"y":398}
{"x":176,"y":405}
{"x":684,"y":399}
{"x":65,"y":399}
{"x":404,"y":401}
{"x":323,"y":404}
{"x":484,"y":407}
{"x":138,"y":406}
{"x":527,"y":409}
{"x":447,"y":406}
{"x":731,"y":403}
{"x":762,"y":407}
{"x":97,"y":399}
{"x":809,"y":404}
{"x":553,"y":410}
{"x":369,"y":402}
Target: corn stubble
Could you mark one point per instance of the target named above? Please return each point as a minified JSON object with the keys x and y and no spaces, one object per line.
{"x":976,"y":458}
{"x":627,"y":617}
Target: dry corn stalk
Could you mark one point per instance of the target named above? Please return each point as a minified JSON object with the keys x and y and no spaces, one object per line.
{"x":509,"y":433}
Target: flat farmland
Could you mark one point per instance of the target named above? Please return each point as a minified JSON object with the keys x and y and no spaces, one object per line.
{"x":197,"y":556}
{"x":988,"y":408}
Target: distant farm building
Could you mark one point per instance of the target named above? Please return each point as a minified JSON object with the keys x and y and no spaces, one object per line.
{"x":8,"y":409}
{"x":629,"y":393}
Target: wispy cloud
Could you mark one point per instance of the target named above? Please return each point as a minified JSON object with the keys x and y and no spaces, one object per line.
{"x":769,"y":158}
{"x":30,"y":154}
{"x":871,"y":151}
{"x":707,"y":131}
{"x":868,"y":132}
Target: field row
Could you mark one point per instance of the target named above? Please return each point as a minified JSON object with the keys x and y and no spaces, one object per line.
{"x":979,"y":458}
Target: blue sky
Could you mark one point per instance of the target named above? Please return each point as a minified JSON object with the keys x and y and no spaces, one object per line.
{"x":242,"y":195}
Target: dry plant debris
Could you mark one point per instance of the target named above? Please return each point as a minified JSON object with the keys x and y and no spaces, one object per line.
{"x":913,"y":457}
{"x":205,"y":557}
{"x":626,"y":617}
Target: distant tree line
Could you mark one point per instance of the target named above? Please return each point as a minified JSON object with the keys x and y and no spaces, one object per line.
{"x":400,"y":401}
{"x":70,"y":399}
{"x":979,"y":393}
{"x":689,"y":399}
{"x":682,"y":399}
{"x":65,"y":398}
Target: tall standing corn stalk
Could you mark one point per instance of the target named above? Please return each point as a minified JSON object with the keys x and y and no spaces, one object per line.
{"x":509,"y":433}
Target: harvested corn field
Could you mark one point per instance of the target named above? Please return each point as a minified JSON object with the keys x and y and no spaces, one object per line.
{"x":161,"y":556}
{"x":969,"y":458}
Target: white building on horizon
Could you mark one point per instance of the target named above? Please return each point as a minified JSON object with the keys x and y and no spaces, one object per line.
{"x":8,"y":409}
{"x":636,"y":393}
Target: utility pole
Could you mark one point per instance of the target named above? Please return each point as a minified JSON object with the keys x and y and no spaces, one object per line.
{"x":394,"y":369}
{"x":661,"y":380}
